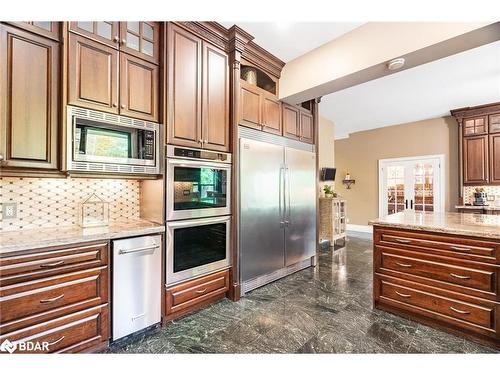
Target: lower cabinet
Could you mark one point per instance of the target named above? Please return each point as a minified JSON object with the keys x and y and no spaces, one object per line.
{"x":445,"y":281}
{"x":56,"y":299}
{"x":191,"y":295}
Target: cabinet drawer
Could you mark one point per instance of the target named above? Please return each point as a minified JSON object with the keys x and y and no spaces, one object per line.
{"x":478,"y":314}
{"x":193,"y":292}
{"x":464,"y":276}
{"x":459,"y":247}
{"x":35,"y":301}
{"x":52,"y":261}
{"x":69,"y":334}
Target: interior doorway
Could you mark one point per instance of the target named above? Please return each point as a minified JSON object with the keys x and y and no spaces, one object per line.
{"x":411,"y":183}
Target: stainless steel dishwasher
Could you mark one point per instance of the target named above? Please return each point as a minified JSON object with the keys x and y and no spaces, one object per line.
{"x":136,"y":271}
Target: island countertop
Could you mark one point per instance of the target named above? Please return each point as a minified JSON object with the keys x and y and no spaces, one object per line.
{"x":486,"y":226}
{"x":21,"y":240}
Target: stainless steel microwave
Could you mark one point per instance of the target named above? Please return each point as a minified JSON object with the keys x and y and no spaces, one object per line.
{"x":106,"y":143}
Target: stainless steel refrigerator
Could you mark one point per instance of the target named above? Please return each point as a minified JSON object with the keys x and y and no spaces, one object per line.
{"x":277,"y":209}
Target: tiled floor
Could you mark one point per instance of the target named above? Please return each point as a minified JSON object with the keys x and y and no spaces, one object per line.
{"x":322,"y":310}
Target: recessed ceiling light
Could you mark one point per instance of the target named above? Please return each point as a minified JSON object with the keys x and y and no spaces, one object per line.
{"x":396,"y":64}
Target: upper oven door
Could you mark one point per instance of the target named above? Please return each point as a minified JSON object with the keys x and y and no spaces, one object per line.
{"x":197,"y":189}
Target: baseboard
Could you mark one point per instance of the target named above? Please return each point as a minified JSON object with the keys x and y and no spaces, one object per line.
{"x":360,"y":228}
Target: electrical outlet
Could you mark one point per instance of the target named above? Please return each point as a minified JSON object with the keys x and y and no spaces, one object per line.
{"x":9,"y":210}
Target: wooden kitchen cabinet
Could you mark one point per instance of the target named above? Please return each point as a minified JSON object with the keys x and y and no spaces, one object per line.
{"x":198,"y":92}
{"x":29,"y":91}
{"x":291,"y":121}
{"x":306,"y":127}
{"x":106,"y":32}
{"x":475,"y":159}
{"x":250,"y":106}
{"x":494,"y":122}
{"x":139,"y":86}
{"x":49,"y":29}
{"x":184,"y":87}
{"x":58,"y":294}
{"x":494,"y":158}
{"x":271,"y":115}
{"x":475,"y":126}
{"x":92,"y":74}
{"x":141,"y":39}
{"x":215,"y":97}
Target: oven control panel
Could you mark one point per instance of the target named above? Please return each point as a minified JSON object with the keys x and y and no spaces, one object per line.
{"x":191,"y":153}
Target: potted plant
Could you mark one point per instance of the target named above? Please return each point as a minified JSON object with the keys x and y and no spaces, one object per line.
{"x":329,"y":193}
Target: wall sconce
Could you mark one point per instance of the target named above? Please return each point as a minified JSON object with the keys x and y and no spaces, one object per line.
{"x":348,"y":181}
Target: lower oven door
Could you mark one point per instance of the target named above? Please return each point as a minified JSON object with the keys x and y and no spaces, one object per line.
{"x":197,"y":247}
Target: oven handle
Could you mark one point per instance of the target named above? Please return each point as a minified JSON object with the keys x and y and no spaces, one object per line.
{"x":198,"y":222}
{"x":191,"y":163}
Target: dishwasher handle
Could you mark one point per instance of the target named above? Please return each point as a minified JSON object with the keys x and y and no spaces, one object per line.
{"x":138,"y":250}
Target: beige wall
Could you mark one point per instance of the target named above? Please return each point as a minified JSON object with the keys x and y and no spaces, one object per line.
{"x":326,"y":152}
{"x":359,"y":154}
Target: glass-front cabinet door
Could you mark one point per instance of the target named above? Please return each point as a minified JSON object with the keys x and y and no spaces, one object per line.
{"x":106,"y":32}
{"x":141,"y":39}
{"x":410,"y":184}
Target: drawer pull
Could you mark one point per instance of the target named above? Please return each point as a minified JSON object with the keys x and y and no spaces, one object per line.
{"x":402,"y":241}
{"x":403,"y":295}
{"x":459,"y":311}
{"x":459,"y":276}
{"x":404,"y":265}
{"x":49,"y":265}
{"x":457,"y":248}
{"x":57,"y":341}
{"x":201,"y":291}
{"x":49,"y":300}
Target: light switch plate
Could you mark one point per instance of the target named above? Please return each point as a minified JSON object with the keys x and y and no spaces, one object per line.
{"x":9,"y":210}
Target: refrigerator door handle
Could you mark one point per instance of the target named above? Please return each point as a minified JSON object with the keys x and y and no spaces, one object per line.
{"x":281,"y":197}
{"x":287,"y":197}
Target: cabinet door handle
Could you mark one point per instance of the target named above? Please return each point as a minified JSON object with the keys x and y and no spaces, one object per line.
{"x":458,"y":248}
{"x":57,"y":341}
{"x":403,"y":295}
{"x":50,"y":265}
{"x":116,"y":39}
{"x":122,"y":106}
{"x":459,"y":311}
{"x":115,"y":105}
{"x":124,"y":42}
{"x":49,"y":300}
{"x":459,"y":276}
{"x":201,"y":291}
{"x":404,"y":265}
{"x":402,"y":241}
{"x":205,"y":141}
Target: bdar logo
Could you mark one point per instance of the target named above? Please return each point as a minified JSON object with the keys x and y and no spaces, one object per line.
{"x":8,"y":346}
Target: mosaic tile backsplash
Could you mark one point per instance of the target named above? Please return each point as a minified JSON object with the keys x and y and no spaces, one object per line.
{"x":47,"y":202}
{"x":492,"y":191}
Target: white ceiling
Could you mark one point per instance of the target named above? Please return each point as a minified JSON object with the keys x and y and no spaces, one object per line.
{"x":288,"y":40}
{"x":426,"y":91}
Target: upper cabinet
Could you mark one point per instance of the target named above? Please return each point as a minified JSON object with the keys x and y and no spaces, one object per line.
{"x":480,"y":144}
{"x":141,"y":39}
{"x":104,"y":74}
{"x":259,"y":107}
{"x":49,"y":29}
{"x":198,"y":92}
{"x":106,"y":32}
{"x":29,"y":92}
{"x":92,"y":74}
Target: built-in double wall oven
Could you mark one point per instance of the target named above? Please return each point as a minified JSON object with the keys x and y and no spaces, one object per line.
{"x":197,"y":196}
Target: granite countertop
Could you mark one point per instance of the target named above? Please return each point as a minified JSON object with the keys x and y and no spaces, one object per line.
{"x":487,"y":226}
{"x":14,"y":241}
{"x":471,"y":207}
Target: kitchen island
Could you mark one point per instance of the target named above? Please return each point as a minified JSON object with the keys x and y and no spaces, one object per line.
{"x":441,"y":269}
